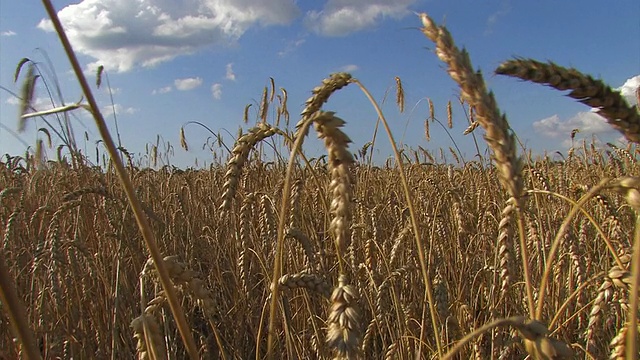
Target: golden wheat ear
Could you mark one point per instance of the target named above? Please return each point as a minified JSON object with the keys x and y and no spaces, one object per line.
{"x":609,"y":103}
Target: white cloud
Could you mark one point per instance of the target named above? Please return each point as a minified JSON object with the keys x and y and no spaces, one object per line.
{"x":117,"y":109}
{"x":13,"y":101}
{"x":350,"y":68}
{"x":122,"y":34}
{"x":188,"y":83}
{"x":216,"y":91}
{"x":291,"y":46}
{"x":8,"y":33}
{"x":342,"y":17}
{"x":588,"y":122}
{"x":114,"y":91}
{"x":39,"y":103}
{"x":505,"y":8}
{"x":162,"y":90}
{"x":580,"y":140}
{"x":230,"y":74}
{"x":629,"y":88}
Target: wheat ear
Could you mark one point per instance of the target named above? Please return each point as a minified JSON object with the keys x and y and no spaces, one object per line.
{"x":328,"y":127}
{"x":535,"y":334}
{"x":149,"y":339}
{"x":538,"y":343}
{"x":312,"y":282}
{"x":474,"y":92}
{"x":240,"y":154}
{"x":630,"y":187}
{"x":505,"y":248}
{"x":344,"y":333}
{"x":595,"y":93}
{"x":245,"y":231}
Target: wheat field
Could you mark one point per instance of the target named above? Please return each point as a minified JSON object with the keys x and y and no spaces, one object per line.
{"x":500,"y":257}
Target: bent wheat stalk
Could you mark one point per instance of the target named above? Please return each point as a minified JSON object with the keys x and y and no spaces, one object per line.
{"x":320,"y":95}
{"x":497,"y":131}
{"x":424,"y":268}
{"x":136,"y":206}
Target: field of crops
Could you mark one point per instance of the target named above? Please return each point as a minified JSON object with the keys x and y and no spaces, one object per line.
{"x":333,"y":257}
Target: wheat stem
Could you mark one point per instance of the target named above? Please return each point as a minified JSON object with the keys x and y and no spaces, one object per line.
{"x":557,"y":241}
{"x":632,"y":320}
{"x":412,"y":213}
{"x":136,"y":207}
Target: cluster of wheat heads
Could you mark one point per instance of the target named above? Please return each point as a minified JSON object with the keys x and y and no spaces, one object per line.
{"x":335,"y":259}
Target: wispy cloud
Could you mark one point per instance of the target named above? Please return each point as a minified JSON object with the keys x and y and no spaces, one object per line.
{"x":342,"y":17}
{"x":187,"y":83}
{"x":291,"y":46}
{"x":124,"y":34}
{"x":230,"y":75}
{"x":349,"y":68}
{"x":39,"y":103}
{"x":505,"y":8}
{"x":118,"y":109}
{"x":106,"y":90}
{"x":13,"y":101}
{"x":588,"y":122}
{"x":216,"y":91}
{"x":8,"y":33}
{"x":162,"y":90}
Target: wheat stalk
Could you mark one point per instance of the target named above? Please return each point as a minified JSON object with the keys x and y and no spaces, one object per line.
{"x":320,"y":95}
{"x":142,"y":222}
{"x":497,"y":131}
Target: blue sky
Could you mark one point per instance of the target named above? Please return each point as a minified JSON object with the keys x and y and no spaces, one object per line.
{"x":171,"y":62}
